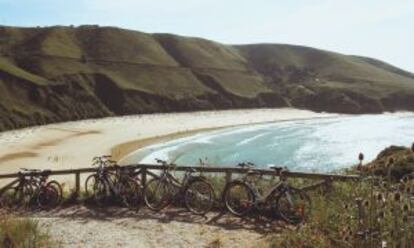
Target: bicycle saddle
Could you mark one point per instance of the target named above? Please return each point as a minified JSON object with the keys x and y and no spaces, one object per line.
{"x":160,"y":161}
{"x":276,"y":168}
{"x":246,"y":164}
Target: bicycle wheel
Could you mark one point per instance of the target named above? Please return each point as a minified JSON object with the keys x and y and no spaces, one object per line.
{"x":6,"y":198}
{"x":199,"y":196}
{"x":100,"y":192}
{"x":292,"y":205}
{"x":130,"y":193}
{"x":158,"y":194}
{"x":56,"y":185}
{"x":89,"y":184}
{"x":23,"y":196}
{"x":238,"y":198}
{"x":47,"y":197}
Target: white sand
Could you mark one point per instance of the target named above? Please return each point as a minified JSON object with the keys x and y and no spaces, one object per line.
{"x":74,"y":144}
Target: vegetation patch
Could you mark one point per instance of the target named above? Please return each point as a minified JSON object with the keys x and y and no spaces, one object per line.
{"x":22,"y":232}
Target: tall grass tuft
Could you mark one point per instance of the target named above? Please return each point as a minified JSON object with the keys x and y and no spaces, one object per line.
{"x":375,"y":212}
{"x":22,"y":232}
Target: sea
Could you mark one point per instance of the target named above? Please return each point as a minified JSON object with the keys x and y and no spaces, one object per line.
{"x":311,"y":145}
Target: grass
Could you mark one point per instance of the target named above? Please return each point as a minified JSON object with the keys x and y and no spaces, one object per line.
{"x":8,"y":67}
{"x":22,"y":232}
{"x":375,"y":211}
{"x":351,"y":216}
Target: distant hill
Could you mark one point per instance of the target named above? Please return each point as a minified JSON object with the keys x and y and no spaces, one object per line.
{"x":65,"y":73}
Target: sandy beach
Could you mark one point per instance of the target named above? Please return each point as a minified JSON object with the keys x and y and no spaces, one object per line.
{"x":74,"y":144}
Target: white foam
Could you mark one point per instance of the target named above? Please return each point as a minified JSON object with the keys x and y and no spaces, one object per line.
{"x":248,"y":140}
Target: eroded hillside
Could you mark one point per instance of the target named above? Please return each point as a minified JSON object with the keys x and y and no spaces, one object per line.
{"x":66,"y":73}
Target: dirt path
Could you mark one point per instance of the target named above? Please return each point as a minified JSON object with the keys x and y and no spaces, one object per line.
{"x":79,"y":226}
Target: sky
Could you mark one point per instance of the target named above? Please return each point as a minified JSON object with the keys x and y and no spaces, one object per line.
{"x":382,"y":29}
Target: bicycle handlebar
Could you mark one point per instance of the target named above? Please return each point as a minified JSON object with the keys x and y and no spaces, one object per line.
{"x":34,"y":173}
{"x":31,"y":170}
{"x":103,"y":160}
{"x":166,"y":164}
{"x":102,"y":157}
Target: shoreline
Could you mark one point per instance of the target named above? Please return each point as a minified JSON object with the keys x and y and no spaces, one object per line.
{"x":123,"y":150}
{"x":73,"y":144}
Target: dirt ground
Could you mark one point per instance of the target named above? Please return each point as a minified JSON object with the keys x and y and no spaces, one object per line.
{"x":82,"y":226}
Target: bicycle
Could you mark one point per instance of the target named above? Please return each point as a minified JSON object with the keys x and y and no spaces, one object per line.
{"x":120,"y":185}
{"x":241,"y":196}
{"x":195,"y":191}
{"x":101,"y":162}
{"x":46,"y":195}
{"x":31,"y":188}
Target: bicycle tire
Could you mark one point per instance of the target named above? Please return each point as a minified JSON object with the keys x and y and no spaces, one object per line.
{"x":56,"y":185}
{"x":131,"y":194}
{"x":199,"y":196}
{"x":89,"y":184}
{"x":241,"y":204}
{"x":292,"y":205}
{"x":157,"y":194}
{"x":100,"y":193}
{"x":47,"y":197}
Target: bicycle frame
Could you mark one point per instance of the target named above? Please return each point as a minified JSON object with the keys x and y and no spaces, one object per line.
{"x":166,"y":175}
{"x":9,"y":185}
{"x":109,"y":184}
{"x":280,"y":188}
{"x":121,"y":175}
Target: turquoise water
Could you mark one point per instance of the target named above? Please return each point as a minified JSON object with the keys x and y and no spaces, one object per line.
{"x":319,"y":145}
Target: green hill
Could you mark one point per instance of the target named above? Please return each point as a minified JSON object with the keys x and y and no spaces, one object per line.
{"x":66,"y":73}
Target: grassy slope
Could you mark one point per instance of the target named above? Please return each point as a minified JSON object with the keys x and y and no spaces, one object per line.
{"x":332,"y":69}
{"x":324,"y":80}
{"x":65,"y":73}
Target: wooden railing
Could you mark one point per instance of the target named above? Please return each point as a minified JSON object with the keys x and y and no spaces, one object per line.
{"x":147,"y":169}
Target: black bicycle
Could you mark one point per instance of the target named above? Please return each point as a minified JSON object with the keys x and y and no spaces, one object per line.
{"x":195,"y":191}
{"x":119,"y":186}
{"x":31,"y":189}
{"x":102,"y":162}
{"x":241,"y":196}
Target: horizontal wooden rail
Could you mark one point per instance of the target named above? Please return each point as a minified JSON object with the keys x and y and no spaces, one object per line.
{"x":209,"y":169}
{"x":146,"y":170}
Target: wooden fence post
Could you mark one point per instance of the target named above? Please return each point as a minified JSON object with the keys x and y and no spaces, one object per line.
{"x":228,"y":176}
{"x":144,"y":176}
{"x":77,"y":185}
